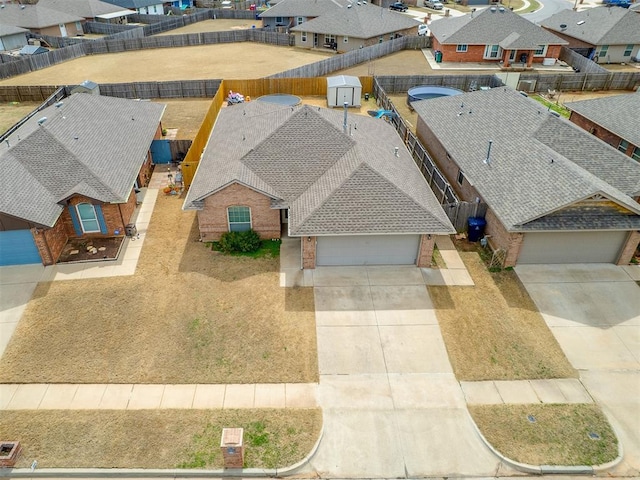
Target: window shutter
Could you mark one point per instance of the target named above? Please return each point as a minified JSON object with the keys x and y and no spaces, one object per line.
{"x":101,"y":222}
{"x":75,"y":221}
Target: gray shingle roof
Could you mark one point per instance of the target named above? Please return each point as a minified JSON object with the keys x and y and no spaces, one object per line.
{"x":134,"y":4}
{"x":539,"y":163}
{"x":359,"y":21}
{"x":332,"y":182}
{"x":302,"y":8}
{"x":91,"y":145}
{"x":34,"y":16}
{"x":616,"y":114}
{"x":6,"y":30}
{"x":492,"y":27}
{"x":600,"y":25}
{"x":83,"y":8}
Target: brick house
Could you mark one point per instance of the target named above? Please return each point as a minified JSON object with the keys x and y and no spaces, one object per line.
{"x":354,"y":26}
{"x":90,"y":10}
{"x":612,"y":119}
{"x":495,"y":34}
{"x":70,"y":171}
{"x":555,"y":193}
{"x":41,"y":20}
{"x":352,"y":193}
{"x":289,"y":13}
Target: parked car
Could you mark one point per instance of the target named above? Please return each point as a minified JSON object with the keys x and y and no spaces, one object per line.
{"x":433,"y":4}
{"x":398,"y":7}
{"x":423,"y":30}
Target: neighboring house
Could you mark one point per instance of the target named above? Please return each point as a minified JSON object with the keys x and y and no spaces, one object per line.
{"x":70,"y":171}
{"x":181,"y":4}
{"x":352,"y":193}
{"x":603,"y":34}
{"x":555,"y":193}
{"x":12,"y":37}
{"x":289,"y":13}
{"x":495,"y":34}
{"x":143,"y":7}
{"x":90,"y":10}
{"x":357,"y":25}
{"x":41,"y":20}
{"x":616,"y":120}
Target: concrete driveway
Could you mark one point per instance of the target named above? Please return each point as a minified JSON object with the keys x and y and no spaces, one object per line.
{"x":392,"y":406}
{"x":594,"y":313}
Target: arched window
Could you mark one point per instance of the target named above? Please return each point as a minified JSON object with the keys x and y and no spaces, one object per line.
{"x":239,"y":218}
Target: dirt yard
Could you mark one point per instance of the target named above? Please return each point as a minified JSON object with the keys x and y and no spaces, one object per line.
{"x":12,"y":112}
{"x":218,"y":25}
{"x":188,"y":315}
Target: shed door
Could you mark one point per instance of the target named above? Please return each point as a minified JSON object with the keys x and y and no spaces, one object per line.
{"x":344,"y":94}
{"x":572,"y":247}
{"x":17,"y":247}
{"x":367,"y":250}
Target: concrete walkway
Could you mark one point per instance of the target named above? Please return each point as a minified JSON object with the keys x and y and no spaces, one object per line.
{"x":562,"y":390}
{"x":36,"y":396}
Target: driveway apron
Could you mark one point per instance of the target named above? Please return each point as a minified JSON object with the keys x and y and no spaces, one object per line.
{"x":392,"y":406}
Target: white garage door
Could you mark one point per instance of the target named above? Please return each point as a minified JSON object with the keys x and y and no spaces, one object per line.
{"x":368,"y":250}
{"x":573,"y":247}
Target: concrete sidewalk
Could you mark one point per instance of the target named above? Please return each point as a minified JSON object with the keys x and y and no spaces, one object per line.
{"x":150,"y":396}
{"x":562,"y":390}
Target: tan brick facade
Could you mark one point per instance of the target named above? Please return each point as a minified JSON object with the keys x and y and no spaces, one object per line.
{"x":308,"y":252}
{"x":213,"y":221}
{"x":425,"y":253}
{"x":629,"y":248}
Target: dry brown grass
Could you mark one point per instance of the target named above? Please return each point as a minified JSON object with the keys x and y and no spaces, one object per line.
{"x":158,"y":438}
{"x":185,"y":114}
{"x":186,"y":316}
{"x":493,"y":330}
{"x":217,"y":25}
{"x":12,"y":112}
{"x":559,"y":435}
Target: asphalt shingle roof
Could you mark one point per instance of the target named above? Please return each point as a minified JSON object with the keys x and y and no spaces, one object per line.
{"x":539,"y":163}
{"x":332,"y":182}
{"x":598,"y":26}
{"x":6,"y":30}
{"x":84,"y":8}
{"x":302,"y":8}
{"x":492,"y":26}
{"x":34,"y":16}
{"x":360,"y":21}
{"x":90,"y":145}
{"x":134,"y":4}
{"x":616,"y":114}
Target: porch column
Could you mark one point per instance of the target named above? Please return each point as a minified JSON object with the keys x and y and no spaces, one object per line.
{"x":308,"y":252}
{"x":505,"y":57}
{"x":530,"y":57}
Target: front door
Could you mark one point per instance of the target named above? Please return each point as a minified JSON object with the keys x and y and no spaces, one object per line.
{"x":315,"y":40}
{"x":284,"y":215}
{"x":63,"y":30}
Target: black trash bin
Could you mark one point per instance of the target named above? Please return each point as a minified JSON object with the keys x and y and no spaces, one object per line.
{"x":475,"y":228}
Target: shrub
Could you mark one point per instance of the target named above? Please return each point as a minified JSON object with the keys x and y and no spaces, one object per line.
{"x":244,"y":242}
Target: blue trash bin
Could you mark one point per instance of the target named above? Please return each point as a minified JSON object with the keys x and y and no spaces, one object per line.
{"x":475,"y":228}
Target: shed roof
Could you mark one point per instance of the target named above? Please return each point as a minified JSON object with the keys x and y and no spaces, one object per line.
{"x":614,"y":113}
{"x":333,"y":182}
{"x":492,"y":26}
{"x":343,"y":81}
{"x":89,"y":145}
{"x":302,"y":8}
{"x":34,"y":16}
{"x":538,"y":164}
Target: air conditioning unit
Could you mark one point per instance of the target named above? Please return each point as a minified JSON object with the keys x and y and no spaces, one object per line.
{"x":527,"y":86}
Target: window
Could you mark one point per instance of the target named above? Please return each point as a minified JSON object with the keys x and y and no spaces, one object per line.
{"x":304,"y":36}
{"x":88,"y":218}
{"x":623,"y":145}
{"x":329,"y":39}
{"x":345,"y":39}
{"x":512,"y":55}
{"x":461,"y":48}
{"x":492,"y":51}
{"x":627,"y":51}
{"x":603,"y":50}
{"x":299,"y":20}
{"x":460,"y":177}
{"x":79,"y":28}
{"x":635,"y":154}
{"x":279,"y":21}
{"x":540,"y":51}
{"x":239,"y":219}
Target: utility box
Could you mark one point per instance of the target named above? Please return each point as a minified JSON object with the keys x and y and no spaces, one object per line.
{"x":343,"y":89}
{"x":130,"y":230}
{"x":232,"y":447}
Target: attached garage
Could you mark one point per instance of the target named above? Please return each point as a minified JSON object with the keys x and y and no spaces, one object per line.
{"x":367,"y":250}
{"x":572,"y":247}
{"x":17,"y":247}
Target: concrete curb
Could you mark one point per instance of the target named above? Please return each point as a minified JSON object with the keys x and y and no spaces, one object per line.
{"x":168,"y":473}
{"x":552,"y":469}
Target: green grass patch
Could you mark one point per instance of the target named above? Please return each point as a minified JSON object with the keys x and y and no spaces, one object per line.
{"x":559,"y":434}
{"x":565,"y":112}
{"x":268,"y":249}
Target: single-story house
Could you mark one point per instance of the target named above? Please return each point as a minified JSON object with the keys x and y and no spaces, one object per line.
{"x":289,"y":13}
{"x":603,"y":34}
{"x":90,"y":10}
{"x":554,"y":193}
{"x":356,"y":25}
{"x":347,"y":186}
{"x":12,"y":37}
{"x":495,"y":34}
{"x":616,"y":120}
{"x":143,"y":7}
{"x":70,"y":171}
{"x":41,"y":20}
{"x":181,"y":4}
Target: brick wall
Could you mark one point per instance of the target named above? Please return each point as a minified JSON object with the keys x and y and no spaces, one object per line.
{"x":425,"y":254}
{"x":629,"y":248}
{"x":116,"y":216}
{"x":50,"y":242}
{"x":603,"y":134}
{"x":475,"y":53}
{"x":573,"y":42}
{"x":212,"y":219}
{"x":308,"y":252}
{"x":144,"y":175}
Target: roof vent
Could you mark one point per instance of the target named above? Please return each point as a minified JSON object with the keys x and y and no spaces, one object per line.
{"x":42,"y":120}
{"x":580,"y":22}
{"x":22,"y":7}
{"x":493,"y":9}
{"x":349,"y":6}
{"x":395,"y":151}
{"x":555,"y":114}
{"x":501,"y":9}
{"x":59,"y":104}
{"x":563,"y":26}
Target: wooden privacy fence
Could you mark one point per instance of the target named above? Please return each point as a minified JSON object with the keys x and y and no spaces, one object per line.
{"x":57,"y":95}
{"x":172,"y":89}
{"x":26,"y":93}
{"x":460,"y":212}
{"x":580,"y":62}
{"x":401,"y":84}
{"x":293,"y":86}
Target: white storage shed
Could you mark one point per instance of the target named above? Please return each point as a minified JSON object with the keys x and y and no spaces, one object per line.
{"x":343,"y":88}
